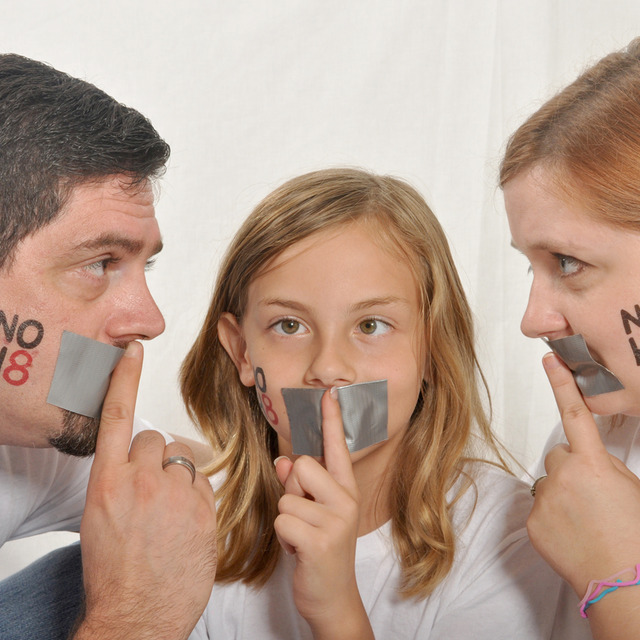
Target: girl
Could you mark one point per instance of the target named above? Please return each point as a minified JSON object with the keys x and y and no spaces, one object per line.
{"x":571,"y":176}
{"x":336,"y":278}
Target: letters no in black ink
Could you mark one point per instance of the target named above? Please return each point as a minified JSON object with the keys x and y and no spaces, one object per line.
{"x":627,"y":320}
{"x":16,"y":373}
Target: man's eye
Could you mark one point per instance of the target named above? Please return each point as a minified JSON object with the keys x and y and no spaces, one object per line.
{"x":97,"y":268}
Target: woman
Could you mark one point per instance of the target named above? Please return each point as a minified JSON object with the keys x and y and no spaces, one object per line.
{"x":571,"y":181}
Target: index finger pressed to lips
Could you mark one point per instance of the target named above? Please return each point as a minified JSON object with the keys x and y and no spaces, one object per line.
{"x":116,"y":421}
{"x":336,"y":453}
{"x":579,"y":425}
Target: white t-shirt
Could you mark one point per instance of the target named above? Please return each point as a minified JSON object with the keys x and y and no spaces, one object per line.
{"x":43,"y":490}
{"x":498,"y":587}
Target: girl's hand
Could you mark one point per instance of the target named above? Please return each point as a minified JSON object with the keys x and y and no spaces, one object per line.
{"x":586,"y":516}
{"x":318,"y":522}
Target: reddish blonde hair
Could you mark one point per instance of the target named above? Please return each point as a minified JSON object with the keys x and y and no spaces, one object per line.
{"x":587,"y":139}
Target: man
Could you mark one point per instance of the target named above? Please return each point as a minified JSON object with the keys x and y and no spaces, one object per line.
{"x":77,"y":230}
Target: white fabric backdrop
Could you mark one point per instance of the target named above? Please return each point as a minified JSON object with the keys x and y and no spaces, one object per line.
{"x":251,"y":93}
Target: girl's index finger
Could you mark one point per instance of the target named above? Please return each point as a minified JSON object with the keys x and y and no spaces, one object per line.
{"x":116,"y":421}
{"x":578,"y":423}
{"x":337,"y":458}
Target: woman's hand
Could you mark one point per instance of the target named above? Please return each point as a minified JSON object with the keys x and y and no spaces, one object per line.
{"x":318,"y":522}
{"x":586,"y":518}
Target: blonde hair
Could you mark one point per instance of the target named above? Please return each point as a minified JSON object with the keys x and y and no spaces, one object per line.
{"x":587,"y":140}
{"x":437,"y":442}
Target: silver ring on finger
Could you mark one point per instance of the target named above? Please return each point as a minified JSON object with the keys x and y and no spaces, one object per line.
{"x":535,"y":484}
{"x":181,"y":460}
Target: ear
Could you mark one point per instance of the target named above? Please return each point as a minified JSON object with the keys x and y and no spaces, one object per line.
{"x":232,"y":339}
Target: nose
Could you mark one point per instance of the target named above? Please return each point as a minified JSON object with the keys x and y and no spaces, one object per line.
{"x":331,"y":364}
{"x":135,"y":315}
{"x":542,"y":318}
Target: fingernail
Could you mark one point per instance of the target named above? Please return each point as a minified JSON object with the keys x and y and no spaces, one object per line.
{"x":333,"y":392}
{"x":132,"y":349}
{"x":550,"y":361}
{"x":275,"y":462}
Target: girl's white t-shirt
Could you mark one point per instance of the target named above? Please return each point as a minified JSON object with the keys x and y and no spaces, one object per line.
{"x":498,"y":587}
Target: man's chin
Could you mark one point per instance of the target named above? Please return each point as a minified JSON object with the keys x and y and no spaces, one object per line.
{"x":78,"y":435}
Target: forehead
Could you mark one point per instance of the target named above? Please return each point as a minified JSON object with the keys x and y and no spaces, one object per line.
{"x":536,"y":213}
{"x":337,"y":262}
{"x":543,"y":223}
{"x":335,"y":241}
{"x":94,"y":216}
{"x":112,"y":196}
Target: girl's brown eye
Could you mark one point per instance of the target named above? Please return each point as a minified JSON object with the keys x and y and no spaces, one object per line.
{"x":368,"y":326}
{"x":290,"y":326}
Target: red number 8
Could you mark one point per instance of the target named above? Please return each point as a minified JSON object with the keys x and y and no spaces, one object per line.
{"x":21,"y":368}
{"x":272,"y":416}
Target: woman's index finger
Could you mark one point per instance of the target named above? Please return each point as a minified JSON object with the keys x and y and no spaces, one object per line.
{"x":579,"y":426}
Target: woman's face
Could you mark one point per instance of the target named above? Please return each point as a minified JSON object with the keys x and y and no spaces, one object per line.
{"x":586,"y":279}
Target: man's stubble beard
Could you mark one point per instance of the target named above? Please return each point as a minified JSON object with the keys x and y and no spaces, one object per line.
{"x":78,"y":435}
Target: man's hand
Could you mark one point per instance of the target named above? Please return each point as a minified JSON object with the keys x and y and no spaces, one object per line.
{"x":148,"y":535}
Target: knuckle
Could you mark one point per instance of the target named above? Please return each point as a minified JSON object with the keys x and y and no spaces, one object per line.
{"x":284,"y":504}
{"x":532,"y":525}
{"x":574,"y":411}
{"x":303,"y":463}
{"x":148,"y":438}
{"x":115,"y":411}
{"x":179,"y":449}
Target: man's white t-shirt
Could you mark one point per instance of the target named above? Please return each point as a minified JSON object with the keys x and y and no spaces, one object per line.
{"x":43,"y":490}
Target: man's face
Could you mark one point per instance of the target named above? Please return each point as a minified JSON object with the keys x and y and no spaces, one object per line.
{"x":85,"y":273}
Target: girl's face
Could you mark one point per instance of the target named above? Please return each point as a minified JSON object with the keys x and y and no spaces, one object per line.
{"x":586,"y":279}
{"x":332,"y":310}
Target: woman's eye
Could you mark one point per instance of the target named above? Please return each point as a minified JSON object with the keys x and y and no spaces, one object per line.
{"x":568,"y":265}
{"x":288,"y":326}
{"x":371,"y":326}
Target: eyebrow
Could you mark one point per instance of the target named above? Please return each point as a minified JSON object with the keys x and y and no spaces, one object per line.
{"x":358,"y":306}
{"x":540,"y":246}
{"x":132,"y":247}
{"x":375,"y":302}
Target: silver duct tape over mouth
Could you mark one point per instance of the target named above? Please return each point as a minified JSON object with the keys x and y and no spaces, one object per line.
{"x":364,"y":416}
{"x":82,"y":373}
{"x":591,"y":377}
